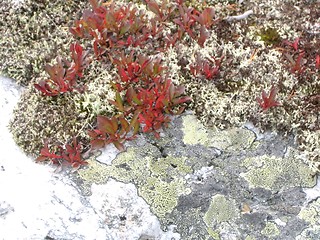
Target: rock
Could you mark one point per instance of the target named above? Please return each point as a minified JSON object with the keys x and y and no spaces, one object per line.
{"x":193,"y":183}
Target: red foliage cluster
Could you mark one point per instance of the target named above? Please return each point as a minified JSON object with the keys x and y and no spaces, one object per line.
{"x":70,"y":155}
{"x":64,"y":74}
{"x":144,"y":97}
{"x":207,"y":68}
{"x":295,"y":56}
{"x":113,"y":130}
{"x":267,"y":102}
{"x":147,"y":94}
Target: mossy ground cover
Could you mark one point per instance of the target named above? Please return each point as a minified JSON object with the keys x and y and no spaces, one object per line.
{"x":255,"y":57}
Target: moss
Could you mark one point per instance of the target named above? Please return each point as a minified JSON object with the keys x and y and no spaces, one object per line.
{"x":271,"y":230}
{"x":37,"y":118}
{"x":270,"y":36}
{"x":277,"y":173}
{"x":33,"y":33}
{"x":220,"y":210}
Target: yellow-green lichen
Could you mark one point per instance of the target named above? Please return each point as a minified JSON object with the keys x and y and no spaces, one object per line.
{"x":162,"y":196}
{"x":95,"y":172}
{"x":221,"y":210}
{"x":276,"y":173}
{"x":159,"y":181}
{"x":194,"y":131}
{"x":214,"y":234}
{"x":234,"y":139}
{"x":250,"y":238}
{"x":270,"y":230}
{"x":310,"y":233}
{"x":311,"y":213}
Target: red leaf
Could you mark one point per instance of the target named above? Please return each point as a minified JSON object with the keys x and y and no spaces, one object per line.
{"x":97,"y":143}
{"x":107,"y":125}
{"x":119,"y":145}
{"x":268,"y":102}
{"x":318,"y":62}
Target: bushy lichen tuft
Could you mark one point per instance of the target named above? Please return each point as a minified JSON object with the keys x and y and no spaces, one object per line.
{"x":32,"y":33}
{"x":39,"y":118}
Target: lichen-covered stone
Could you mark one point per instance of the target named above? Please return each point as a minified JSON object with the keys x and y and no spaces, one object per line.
{"x":311,"y":213}
{"x":277,"y":174}
{"x":194,"y":131}
{"x":221,"y":210}
{"x":159,"y":181}
{"x":271,"y":230}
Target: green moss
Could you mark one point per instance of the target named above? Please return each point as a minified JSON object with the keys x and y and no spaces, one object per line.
{"x":277,"y":173}
{"x":270,"y":36}
{"x":271,"y":230}
{"x":33,"y":33}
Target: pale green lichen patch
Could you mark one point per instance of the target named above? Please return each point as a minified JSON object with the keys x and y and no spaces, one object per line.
{"x":214,"y":234}
{"x":231,"y":139}
{"x":235,"y":139}
{"x":221,"y":210}
{"x":194,"y":131}
{"x":250,"y":238}
{"x":159,"y":181}
{"x":311,"y":213}
{"x":161,"y":195}
{"x":310,"y":233}
{"x":276,"y":173}
{"x":271,"y":230}
{"x":95,"y":172}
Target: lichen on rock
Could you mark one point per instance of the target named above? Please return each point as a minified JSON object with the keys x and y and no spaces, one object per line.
{"x":275,"y":174}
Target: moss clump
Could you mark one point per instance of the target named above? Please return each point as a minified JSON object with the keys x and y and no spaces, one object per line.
{"x":269,"y":35}
{"x":39,"y":118}
{"x":32,"y":33}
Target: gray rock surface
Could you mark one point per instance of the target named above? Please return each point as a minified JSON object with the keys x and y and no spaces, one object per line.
{"x":193,"y":183}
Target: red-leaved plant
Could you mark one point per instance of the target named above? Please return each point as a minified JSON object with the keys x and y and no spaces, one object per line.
{"x":64,"y":74}
{"x":146,"y":93}
{"x":206,"y":68}
{"x":113,"y":130}
{"x":70,"y":155}
{"x":267,"y":102}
